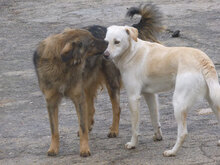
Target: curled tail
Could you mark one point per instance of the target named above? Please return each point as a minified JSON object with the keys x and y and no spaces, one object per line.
{"x":150,"y":24}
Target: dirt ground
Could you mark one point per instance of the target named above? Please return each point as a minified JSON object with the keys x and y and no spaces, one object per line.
{"x":24,"y":124}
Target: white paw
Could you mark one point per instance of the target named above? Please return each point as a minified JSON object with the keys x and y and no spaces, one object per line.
{"x":169,"y":153}
{"x":129,"y":145}
{"x":218,"y":143}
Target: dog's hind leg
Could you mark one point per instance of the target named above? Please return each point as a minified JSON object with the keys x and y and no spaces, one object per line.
{"x":152,"y":102}
{"x":180,"y":112}
{"x":53,"y":99}
{"x":114,"y":93}
{"x":185,"y":94}
{"x":112,"y":79}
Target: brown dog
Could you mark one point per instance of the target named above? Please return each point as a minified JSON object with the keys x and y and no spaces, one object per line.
{"x":65,"y":67}
{"x":59,"y":62}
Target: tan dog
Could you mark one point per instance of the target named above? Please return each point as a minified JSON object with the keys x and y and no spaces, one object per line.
{"x":149,"y":68}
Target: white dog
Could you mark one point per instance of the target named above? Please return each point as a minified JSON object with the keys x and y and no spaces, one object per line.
{"x":149,"y":68}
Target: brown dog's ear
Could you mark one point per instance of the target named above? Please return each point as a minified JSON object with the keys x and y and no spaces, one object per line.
{"x":67,"y":52}
{"x":67,"y":48}
{"x":133,"y":32}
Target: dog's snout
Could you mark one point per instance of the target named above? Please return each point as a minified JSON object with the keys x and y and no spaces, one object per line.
{"x":106,"y":53}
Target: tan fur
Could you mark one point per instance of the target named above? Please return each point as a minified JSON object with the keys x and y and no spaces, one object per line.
{"x":133,"y":32}
{"x":165,"y":61}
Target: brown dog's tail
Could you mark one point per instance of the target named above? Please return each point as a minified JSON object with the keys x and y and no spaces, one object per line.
{"x":150,"y":24}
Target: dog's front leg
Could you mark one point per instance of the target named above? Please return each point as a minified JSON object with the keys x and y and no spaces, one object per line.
{"x":134,"y":104}
{"x":53,"y":99}
{"x":83,"y":129}
{"x":152,"y":102}
{"x":82,"y":113}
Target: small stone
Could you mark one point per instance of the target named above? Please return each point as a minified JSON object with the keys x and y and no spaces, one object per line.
{"x":176,"y":34}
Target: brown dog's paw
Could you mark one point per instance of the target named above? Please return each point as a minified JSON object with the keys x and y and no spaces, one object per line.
{"x":157,"y":138}
{"x":85,"y":153}
{"x":52,"y":152}
{"x":112,"y":134}
{"x":90,"y":128}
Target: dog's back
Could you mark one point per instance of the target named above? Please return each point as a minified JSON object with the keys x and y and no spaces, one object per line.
{"x":97,"y":31}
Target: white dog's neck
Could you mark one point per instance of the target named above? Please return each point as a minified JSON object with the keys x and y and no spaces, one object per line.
{"x":125,"y":58}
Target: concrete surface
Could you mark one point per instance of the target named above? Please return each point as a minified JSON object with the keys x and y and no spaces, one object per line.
{"x":24,"y":125}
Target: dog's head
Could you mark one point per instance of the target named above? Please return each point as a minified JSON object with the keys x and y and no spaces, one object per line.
{"x":80,"y":44}
{"x":120,"y":39}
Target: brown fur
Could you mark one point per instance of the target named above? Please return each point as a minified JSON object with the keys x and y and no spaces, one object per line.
{"x":60,"y":61}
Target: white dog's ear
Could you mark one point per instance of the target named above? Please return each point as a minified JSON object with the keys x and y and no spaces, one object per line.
{"x":133,"y":32}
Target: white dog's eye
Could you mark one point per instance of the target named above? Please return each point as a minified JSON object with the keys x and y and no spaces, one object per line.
{"x":116,"y":42}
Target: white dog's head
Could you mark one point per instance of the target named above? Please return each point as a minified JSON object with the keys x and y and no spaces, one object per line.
{"x":119,"y":40}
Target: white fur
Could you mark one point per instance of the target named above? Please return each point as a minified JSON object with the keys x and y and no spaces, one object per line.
{"x":186,"y":70}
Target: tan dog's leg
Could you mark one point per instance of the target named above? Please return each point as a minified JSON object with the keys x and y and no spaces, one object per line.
{"x":82,"y":113}
{"x":53,"y":99}
{"x":152,"y":103}
{"x":114,"y":94}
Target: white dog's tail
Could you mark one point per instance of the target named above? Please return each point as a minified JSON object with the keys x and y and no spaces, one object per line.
{"x":150,"y":24}
{"x":211,"y":78}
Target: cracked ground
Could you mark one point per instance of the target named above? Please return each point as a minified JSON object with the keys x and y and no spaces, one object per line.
{"x":24,"y":124}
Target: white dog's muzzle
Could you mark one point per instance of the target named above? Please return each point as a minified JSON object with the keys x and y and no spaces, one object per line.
{"x":106,"y":54}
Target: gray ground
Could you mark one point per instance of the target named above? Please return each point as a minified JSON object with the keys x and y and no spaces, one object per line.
{"x":24,"y":125}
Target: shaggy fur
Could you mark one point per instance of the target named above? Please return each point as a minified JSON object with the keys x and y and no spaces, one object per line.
{"x":59,"y":61}
{"x":150,"y":24}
